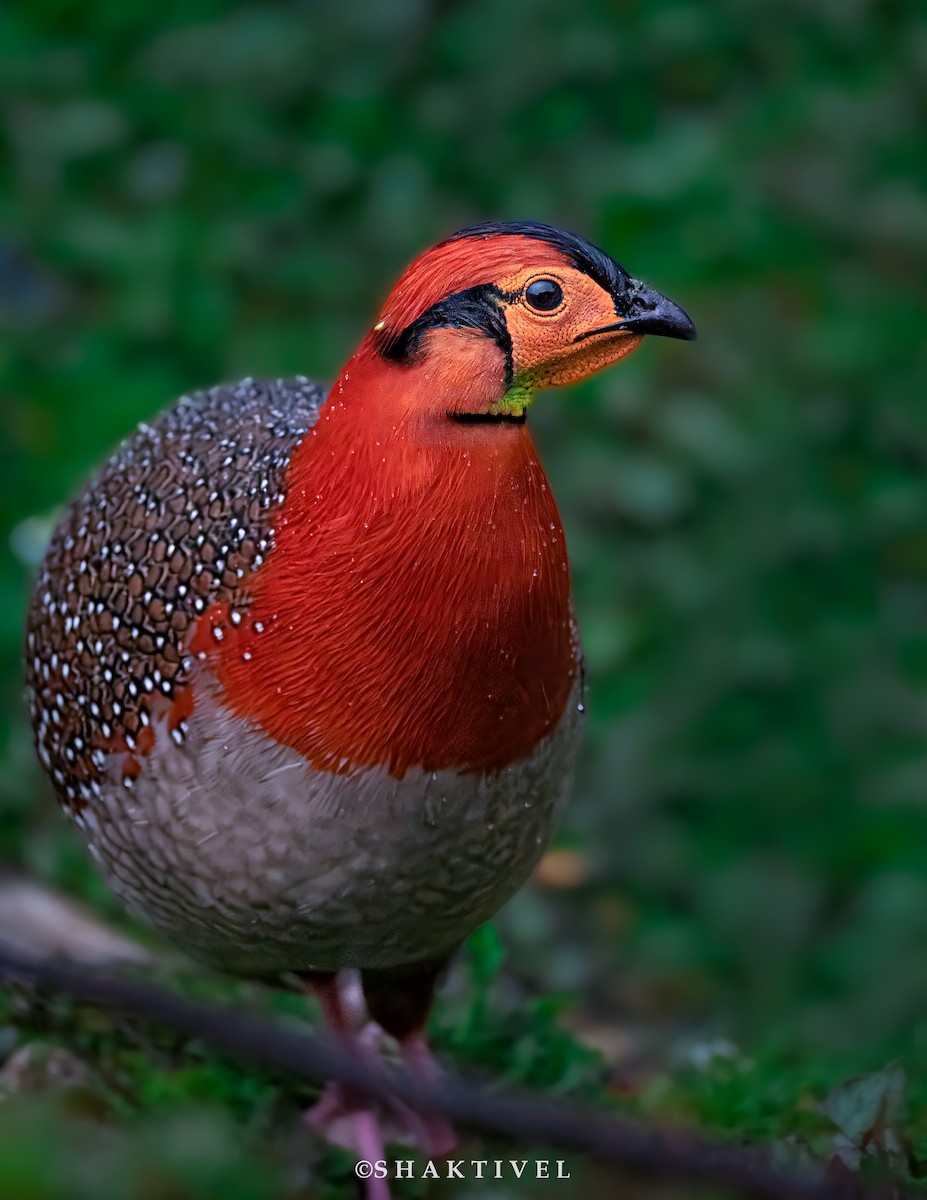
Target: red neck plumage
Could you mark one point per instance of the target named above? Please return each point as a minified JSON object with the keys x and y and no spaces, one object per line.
{"x":415,"y":610}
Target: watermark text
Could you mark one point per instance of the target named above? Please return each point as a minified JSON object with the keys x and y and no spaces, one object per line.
{"x":463,"y":1168}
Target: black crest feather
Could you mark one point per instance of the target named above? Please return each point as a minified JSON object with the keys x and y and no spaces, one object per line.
{"x":581,"y":253}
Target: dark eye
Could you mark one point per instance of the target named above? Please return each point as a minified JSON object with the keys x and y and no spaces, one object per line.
{"x":544,"y":295}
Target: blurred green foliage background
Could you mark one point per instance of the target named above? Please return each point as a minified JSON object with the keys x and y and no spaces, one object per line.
{"x":194,"y":191}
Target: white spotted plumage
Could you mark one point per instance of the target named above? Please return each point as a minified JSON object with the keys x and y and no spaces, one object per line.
{"x":175,"y":521}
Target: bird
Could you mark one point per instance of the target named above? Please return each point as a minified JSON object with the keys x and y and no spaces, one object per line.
{"x":302,"y":662}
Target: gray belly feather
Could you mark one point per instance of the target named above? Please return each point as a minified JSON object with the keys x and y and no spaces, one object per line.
{"x":256,"y":863}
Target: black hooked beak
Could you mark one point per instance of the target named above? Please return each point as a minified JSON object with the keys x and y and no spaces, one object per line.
{"x":647,"y":312}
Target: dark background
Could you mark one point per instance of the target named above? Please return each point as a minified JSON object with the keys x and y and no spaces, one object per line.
{"x":191,"y":192}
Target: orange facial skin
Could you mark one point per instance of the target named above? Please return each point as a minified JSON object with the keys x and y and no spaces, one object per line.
{"x":544,"y":344}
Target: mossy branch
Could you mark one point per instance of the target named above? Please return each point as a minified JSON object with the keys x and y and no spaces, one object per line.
{"x":637,"y":1150}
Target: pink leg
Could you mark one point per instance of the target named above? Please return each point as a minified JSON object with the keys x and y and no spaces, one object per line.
{"x":347,"y":1119}
{"x":340,"y":1115}
{"x":437,"y":1136}
{"x":370,"y":1149}
{"x":339,"y":1005}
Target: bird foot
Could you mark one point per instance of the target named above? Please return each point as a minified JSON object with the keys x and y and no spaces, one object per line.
{"x":336,"y":1114}
{"x":435,"y":1137}
{"x":343,"y":1116}
{"x":346,"y":1119}
{"x":340,"y":1119}
{"x":334,"y":1117}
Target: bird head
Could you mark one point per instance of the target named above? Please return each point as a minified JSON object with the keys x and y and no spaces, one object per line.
{"x":531,"y":304}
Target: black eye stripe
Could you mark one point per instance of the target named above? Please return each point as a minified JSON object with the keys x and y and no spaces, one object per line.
{"x":544,"y":295}
{"x":475,"y":308}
